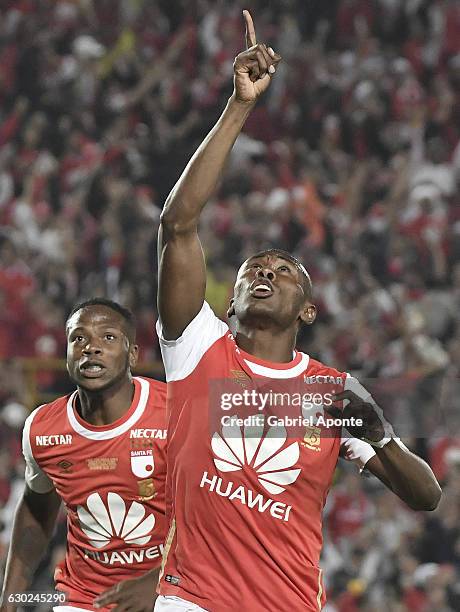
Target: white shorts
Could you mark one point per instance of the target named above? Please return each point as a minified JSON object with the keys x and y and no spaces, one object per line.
{"x":170,"y":603}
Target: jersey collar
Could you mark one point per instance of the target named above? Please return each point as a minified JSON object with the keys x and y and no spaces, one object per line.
{"x":270,"y":369}
{"x":107,"y":432}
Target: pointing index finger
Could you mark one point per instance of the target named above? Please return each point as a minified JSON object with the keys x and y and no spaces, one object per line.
{"x":250,"y":31}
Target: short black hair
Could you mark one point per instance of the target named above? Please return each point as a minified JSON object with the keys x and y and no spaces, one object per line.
{"x":127,"y":315}
{"x":308,"y":286}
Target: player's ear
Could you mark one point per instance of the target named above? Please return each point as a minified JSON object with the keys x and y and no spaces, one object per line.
{"x":231,"y":308}
{"x":133,"y":355}
{"x":308,"y":314}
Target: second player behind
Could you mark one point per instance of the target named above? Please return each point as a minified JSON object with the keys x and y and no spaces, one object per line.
{"x":101,"y":451}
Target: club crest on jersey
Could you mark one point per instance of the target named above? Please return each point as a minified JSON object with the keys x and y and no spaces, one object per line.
{"x":312,"y":438}
{"x":146,"y":489}
{"x":142,"y":462}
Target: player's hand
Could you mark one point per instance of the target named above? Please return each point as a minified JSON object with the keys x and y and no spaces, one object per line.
{"x":374,"y":429}
{"x":254,"y":67}
{"x":133,"y":595}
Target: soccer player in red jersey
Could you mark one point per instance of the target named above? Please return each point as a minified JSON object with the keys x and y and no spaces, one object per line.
{"x":100,"y":450}
{"x":245,"y":497}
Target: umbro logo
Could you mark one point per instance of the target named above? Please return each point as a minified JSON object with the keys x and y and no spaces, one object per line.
{"x":65,"y":465}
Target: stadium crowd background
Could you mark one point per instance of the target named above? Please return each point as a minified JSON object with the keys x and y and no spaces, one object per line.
{"x":351,"y":161}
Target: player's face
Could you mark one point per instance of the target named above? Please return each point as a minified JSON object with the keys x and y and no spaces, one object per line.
{"x":271,"y":287}
{"x":99,"y":352}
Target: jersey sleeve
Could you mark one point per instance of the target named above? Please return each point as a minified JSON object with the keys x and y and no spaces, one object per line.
{"x":181,"y":356}
{"x":353,"y":449}
{"x":35,"y":477}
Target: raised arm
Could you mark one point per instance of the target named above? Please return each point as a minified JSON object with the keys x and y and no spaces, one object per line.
{"x":182,"y":272}
{"x":33,"y":526}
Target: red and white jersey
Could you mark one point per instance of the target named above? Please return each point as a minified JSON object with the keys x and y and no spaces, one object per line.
{"x":112,"y":482}
{"x":244,"y":502}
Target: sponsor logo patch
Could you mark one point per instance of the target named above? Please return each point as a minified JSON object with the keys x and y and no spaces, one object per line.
{"x":125,"y":557}
{"x":53,"y":440}
{"x":159,"y":434}
{"x":101,"y":521}
{"x":245,"y":496}
{"x":102,"y":463}
{"x":323,"y":380}
{"x":266,"y":453}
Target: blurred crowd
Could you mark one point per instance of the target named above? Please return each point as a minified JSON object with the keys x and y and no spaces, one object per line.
{"x":351,"y":161}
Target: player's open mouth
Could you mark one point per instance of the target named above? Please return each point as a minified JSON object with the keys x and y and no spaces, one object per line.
{"x":261,"y":289}
{"x":91,"y":369}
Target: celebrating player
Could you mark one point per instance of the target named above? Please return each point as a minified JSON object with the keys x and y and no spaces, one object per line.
{"x":246,"y":499}
{"x":101,"y":450}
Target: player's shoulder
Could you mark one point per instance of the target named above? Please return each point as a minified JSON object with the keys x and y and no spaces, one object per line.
{"x":318,"y":372}
{"x":157,"y":390}
{"x":155,"y":414}
{"x":155,"y":386}
{"x":318,"y":368}
{"x":49,"y":412}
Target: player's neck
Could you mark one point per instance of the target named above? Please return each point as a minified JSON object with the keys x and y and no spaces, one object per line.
{"x":267,"y":344}
{"x":105,"y":407}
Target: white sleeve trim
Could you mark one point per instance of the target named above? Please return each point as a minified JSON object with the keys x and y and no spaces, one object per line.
{"x":35,"y":477}
{"x":356,"y":450}
{"x":352,"y":384}
{"x":181,"y":356}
